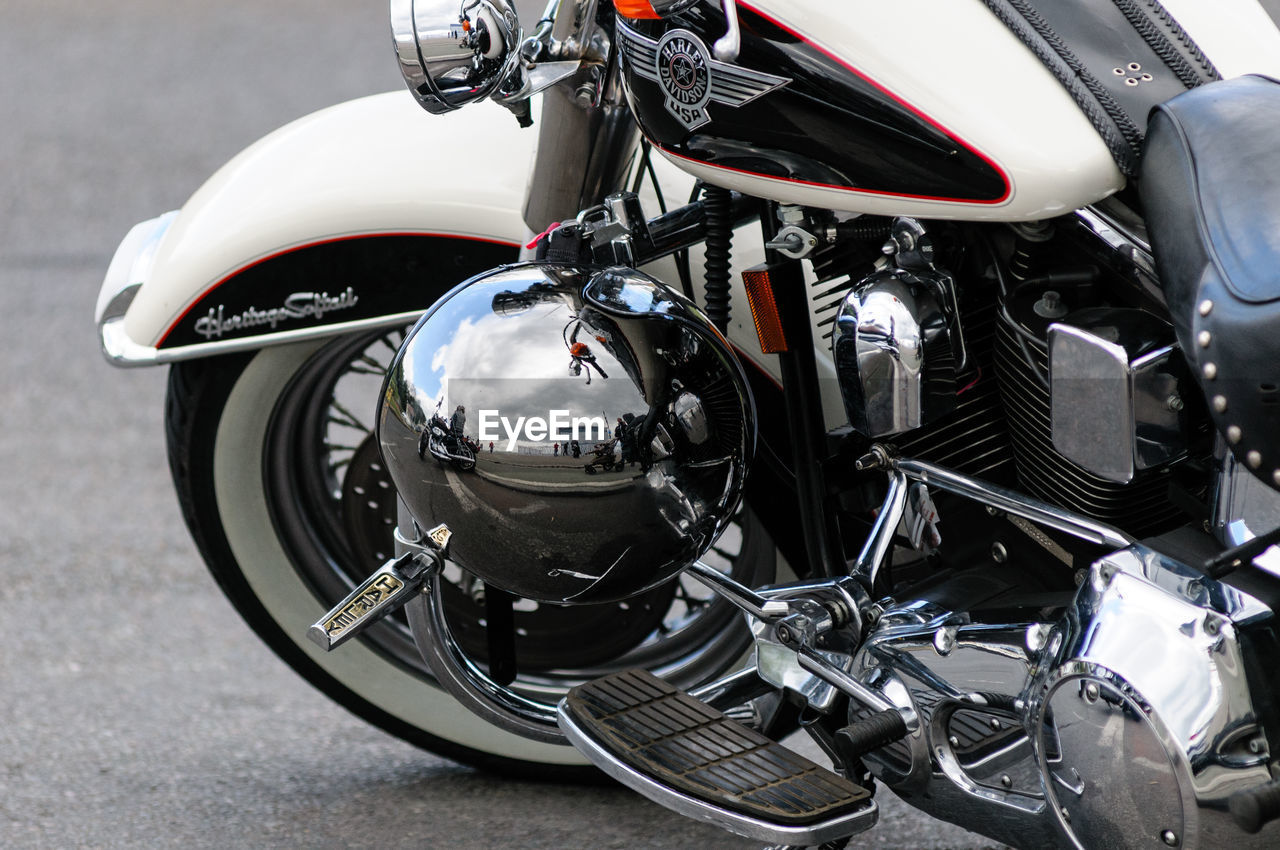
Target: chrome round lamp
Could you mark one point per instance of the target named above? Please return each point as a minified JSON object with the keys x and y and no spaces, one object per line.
{"x":455,"y":52}
{"x":611,"y":425}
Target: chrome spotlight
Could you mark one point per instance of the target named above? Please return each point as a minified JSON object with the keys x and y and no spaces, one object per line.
{"x":455,"y":52}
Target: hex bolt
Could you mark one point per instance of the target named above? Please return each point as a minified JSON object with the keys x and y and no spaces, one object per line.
{"x":1257,"y":746}
{"x":784,"y":635}
{"x":585,"y":94}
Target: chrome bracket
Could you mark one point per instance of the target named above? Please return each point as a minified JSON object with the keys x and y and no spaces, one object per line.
{"x":387,"y":590}
{"x":912,"y":250}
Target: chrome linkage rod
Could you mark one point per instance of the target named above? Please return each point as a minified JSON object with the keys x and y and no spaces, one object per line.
{"x":1009,"y":501}
{"x":798,"y":621}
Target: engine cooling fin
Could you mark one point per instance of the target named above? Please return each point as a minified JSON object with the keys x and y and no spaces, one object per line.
{"x":1142,"y":507}
{"x":681,"y":752}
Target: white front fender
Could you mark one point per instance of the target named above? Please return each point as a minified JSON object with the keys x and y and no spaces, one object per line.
{"x":377,"y":166}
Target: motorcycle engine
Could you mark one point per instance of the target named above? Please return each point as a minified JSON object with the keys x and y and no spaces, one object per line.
{"x":1045,"y":380}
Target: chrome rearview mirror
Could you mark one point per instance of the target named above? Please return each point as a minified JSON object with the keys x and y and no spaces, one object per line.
{"x":455,"y":52}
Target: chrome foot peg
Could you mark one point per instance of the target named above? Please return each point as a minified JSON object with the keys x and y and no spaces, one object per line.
{"x":385,"y":591}
{"x":685,"y":755}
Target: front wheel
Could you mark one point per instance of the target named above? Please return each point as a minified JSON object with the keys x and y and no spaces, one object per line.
{"x":282,"y":487}
{"x":466,"y":459}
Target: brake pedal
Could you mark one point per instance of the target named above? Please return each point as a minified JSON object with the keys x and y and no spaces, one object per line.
{"x":685,"y":755}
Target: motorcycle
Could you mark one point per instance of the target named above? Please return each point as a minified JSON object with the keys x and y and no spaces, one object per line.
{"x":986,"y":319}
{"x":439,"y":439}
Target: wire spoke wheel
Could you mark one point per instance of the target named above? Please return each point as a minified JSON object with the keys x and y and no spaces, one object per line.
{"x":334,"y":509}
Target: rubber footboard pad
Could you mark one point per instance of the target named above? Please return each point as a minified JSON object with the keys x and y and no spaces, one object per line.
{"x":684,"y":743}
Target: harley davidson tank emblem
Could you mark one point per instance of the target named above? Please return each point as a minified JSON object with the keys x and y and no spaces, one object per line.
{"x":690,"y":79}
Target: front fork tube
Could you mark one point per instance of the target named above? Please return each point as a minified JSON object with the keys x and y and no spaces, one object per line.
{"x":805,"y":426}
{"x":583,"y":153}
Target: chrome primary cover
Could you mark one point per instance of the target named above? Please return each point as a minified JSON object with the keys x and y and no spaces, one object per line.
{"x":454,"y":52}
{"x":1128,"y":723}
{"x":612,"y":429}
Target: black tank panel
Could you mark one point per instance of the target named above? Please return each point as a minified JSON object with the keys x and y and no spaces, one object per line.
{"x":826,"y":125}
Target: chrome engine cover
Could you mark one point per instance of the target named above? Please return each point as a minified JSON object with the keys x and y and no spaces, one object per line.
{"x":544,"y":357}
{"x":897,"y":343}
{"x":1126,"y":724}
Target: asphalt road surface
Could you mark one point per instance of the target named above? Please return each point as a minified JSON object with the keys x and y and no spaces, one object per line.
{"x":136,"y":709}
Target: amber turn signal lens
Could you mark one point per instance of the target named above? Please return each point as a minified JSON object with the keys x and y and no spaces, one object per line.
{"x":635,"y":9}
{"x":764,"y":310}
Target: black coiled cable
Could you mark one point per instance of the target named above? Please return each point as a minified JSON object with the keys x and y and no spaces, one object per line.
{"x":719,"y":219}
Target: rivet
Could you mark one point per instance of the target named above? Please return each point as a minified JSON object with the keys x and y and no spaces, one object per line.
{"x":995,"y":724}
{"x":999,"y":554}
{"x":1091,"y":691}
{"x":1134,"y":66}
{"x":1220,"y":403}
{"x":1234,"y":434}
{"x":1169,"y":837}
{"x":1131,"y":81}
{"x":1211,"y":626}
{"x":1275,"y":476}
{"x":1119,"y":72}
{"x":1206,"y":307}
{"x":1204,"y":338}
{"x":953,"y":741}
{"x":1005,"y":780}
{"x":1254,"y":458}
{"x":1066,"y":815}
{"x":1210,"y":371}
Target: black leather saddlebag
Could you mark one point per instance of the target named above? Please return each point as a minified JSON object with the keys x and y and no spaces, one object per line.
{"x":1210,"y":185}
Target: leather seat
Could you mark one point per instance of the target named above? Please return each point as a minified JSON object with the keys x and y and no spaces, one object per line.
{"x":1210,"y":186}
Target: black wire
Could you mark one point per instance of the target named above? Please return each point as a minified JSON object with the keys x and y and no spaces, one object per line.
{"x":717,"y":209}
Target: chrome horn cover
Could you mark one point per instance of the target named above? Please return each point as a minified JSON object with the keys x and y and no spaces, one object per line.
{"x":455,"y":52}
{"x":532,"y":352}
